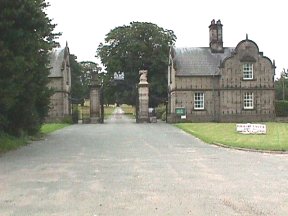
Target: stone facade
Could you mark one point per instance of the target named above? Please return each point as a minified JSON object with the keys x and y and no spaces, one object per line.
{"x":221,"y":84}
{"x":60,"y":82}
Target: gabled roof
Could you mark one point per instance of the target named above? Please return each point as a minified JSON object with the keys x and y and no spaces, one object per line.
{"x":56,"y":62}
{"x":198,"y":61}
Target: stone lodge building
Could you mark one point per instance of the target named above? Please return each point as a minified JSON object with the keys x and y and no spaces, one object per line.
{"x":60,"y":82}
{"x":221,"y":84}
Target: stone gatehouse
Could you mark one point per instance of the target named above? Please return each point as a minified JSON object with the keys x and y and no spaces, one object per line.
{"x":222,"y":84}
{"x":60,"y":82}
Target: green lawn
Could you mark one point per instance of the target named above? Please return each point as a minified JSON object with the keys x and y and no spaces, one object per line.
{"x":128,"y":110}
{"x":108,"y":110}
{"x":225,"y":133}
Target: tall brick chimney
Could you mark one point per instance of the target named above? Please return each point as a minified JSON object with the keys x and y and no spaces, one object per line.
{"x":216,"y":37}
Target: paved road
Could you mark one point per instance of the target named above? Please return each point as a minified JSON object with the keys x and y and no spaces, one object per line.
{"x":124,"y":168}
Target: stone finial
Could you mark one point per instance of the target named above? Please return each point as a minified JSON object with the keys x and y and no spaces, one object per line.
{"x":95,"y":79}
{"x":143,"y":76}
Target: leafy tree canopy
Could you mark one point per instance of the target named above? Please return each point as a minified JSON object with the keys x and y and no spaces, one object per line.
{"x":281,"y":86}
{"x":77,"y":89}
{"x":130,"y":48}
{"x":88,"y":68}
{"x":25,"y":40}
{"x":81,"y":76}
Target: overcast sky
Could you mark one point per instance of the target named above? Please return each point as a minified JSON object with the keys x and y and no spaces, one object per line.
{"x":85,"y":23}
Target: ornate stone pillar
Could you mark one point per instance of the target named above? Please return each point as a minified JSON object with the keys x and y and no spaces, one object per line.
{"x":95,"y":98}
{"x":143,"y":92}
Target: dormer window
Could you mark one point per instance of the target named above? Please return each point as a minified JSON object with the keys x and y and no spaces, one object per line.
{"x":248,"y":71}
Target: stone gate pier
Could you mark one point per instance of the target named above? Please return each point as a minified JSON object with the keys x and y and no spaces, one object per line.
{"x":95,"y":100}
{"x":143,"y":92}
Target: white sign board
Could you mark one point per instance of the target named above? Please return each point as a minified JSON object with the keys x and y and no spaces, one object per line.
{"x":183,"y":116}
{"x":251,"y":128}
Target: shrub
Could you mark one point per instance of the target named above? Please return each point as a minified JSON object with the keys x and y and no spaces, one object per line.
{"x":160,"y":110}
{"x":163,"y":117}
{"x":75,"y":115}
{"x":67,"y":120}
{"x":281,"y":108}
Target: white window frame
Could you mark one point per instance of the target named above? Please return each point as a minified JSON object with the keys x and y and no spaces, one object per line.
{"x":248,"y":71}
{"x":248,"y":100}
{"x":199,"y":101}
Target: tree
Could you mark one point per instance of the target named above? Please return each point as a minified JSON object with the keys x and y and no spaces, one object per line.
{"x":81,"y":75}
{"x":284,"y":76}
{"x":131,"y":48}
{"x":77,"y":88}
{"x":88,"y":67}
{"x":281,"y":86}
{"x":25,"y":41}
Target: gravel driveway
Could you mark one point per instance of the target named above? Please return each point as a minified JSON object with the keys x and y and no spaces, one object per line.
{"x":124,"y":168}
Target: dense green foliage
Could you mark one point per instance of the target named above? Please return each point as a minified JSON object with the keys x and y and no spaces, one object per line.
{"x":281,"y":95}
{"x":281,"y":89}
{"x":25,"y":40}
{"x":160,"y":110}
{"x":88,"y":68}
{"x":81,"y":78}
{"x":281,"y":108}
{"x":131,"y":48}
{"x":81,"y":75}
{"x":77,"y":88}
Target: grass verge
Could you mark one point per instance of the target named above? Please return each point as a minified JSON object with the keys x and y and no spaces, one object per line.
{"x":8,"y":142}
{"x":51,"y":127}
{"x":225,"y":133}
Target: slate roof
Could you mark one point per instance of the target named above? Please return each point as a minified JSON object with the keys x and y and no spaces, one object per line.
{"x":56,"y":62}
{"x":198,"y":60}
